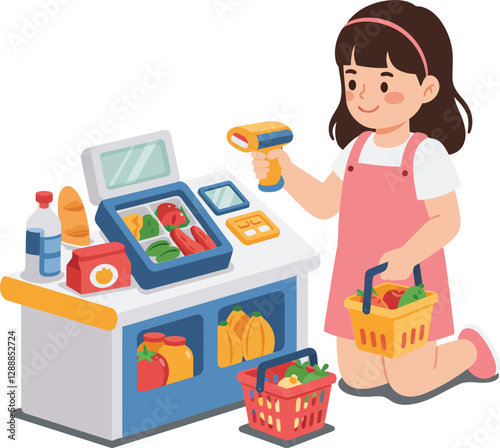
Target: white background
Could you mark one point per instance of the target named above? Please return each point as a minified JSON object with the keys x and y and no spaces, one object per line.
{"x":227,"y":63}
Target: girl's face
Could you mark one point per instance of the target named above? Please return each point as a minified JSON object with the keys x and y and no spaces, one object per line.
{"x":381,"y":98}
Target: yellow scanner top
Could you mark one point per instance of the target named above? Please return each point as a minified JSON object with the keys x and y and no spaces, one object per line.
{"x":257,"y":136}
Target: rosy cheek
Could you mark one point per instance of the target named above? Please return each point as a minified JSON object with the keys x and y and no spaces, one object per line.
{"x":349,"y":96}
{"x":394,"y":98}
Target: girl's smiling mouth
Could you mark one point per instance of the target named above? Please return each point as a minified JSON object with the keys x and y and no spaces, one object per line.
{"x":367,"y":111}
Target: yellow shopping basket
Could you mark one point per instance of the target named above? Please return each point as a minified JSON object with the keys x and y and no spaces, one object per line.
{"x":385,"y":332}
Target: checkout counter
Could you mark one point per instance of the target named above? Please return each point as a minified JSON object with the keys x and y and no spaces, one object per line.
{"x":79,"y":352}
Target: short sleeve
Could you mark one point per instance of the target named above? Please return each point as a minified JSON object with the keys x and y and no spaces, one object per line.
{"x":340,"y":163}
{"x":433,"y":169}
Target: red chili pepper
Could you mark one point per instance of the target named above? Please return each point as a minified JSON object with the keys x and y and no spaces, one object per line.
{"x":187,"y":245}
{"x":201,"y":237}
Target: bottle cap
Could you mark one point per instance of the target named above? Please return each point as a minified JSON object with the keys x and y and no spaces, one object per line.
{"x":154,"y":337}
{"x":44,"y":198}
{"x":175,"y":340}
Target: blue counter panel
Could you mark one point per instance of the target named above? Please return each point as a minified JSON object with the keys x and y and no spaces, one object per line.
{"x":211,"y":387}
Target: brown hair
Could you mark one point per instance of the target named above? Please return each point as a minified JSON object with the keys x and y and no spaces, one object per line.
{"x":440,"y":118}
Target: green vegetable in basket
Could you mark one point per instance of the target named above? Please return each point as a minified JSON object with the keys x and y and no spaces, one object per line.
{"x":412,"y":294}
{"x":361,"y":293}
{"x":317,"y":374}
{"x":299,"y":370}
{"x":150,"y":227}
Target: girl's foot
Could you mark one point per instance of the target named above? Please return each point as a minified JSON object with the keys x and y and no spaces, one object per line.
{"x":487,"y":359}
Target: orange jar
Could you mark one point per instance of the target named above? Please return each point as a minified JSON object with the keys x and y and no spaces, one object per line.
{"x":179,"y":358}
{"x":152,"y":341}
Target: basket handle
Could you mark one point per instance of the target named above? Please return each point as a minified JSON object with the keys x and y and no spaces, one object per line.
{"x":372,"y":272}
{"x":261,"y":370}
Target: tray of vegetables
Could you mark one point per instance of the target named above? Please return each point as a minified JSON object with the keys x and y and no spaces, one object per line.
{"x":165,"y":230}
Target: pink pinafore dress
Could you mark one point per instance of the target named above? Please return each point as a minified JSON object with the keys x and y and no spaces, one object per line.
{"x":379,"y":212}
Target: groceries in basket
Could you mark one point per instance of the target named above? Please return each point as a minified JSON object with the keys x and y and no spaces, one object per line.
{"x":299,"y":370}
{"x":396,"y":298}
{"x":253,"y":337}
{"x":281,"y":405}
{"x":375,"y":299}
{"x":298,"y":374}
{"x":289,"y":382}
{"x":412,"y":294}
{"x":394,"y":319}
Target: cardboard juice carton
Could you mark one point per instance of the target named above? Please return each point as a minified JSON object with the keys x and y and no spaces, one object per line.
{"x":98,"y":268}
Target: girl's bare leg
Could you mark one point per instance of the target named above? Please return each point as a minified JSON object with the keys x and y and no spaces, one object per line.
{"x":359,"y":369}
{"x":429,"y":367}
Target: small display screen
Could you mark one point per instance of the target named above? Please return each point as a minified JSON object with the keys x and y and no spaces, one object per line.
{"x":135,"y":164}
{"x":224,"y":197}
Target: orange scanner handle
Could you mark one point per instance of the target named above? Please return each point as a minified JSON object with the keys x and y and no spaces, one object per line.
{"x":274,"y":176}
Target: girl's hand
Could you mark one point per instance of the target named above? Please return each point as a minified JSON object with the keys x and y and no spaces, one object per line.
{"x":400,"y":265}
{"x":261,"y":165}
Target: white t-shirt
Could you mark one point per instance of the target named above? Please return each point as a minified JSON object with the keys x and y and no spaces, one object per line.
{"x":433,"y":170}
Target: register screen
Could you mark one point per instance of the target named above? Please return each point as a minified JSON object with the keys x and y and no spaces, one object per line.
{"x":135,"y":164}
{"x":224,"y":197}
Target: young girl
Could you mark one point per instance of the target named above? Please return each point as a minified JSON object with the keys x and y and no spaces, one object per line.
{"x":393,"y":187}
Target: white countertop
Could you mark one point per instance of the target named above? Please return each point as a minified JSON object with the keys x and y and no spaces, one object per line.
{"x":269,"y":261}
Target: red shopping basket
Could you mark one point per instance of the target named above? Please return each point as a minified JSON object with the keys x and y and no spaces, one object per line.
{"x":285,"y":413}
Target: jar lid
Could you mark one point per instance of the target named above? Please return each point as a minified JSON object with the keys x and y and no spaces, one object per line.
{"x":154,"y":337}
{"x":175,"y":340}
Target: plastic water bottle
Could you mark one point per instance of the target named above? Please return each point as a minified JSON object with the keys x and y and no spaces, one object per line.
{"x":43,"y":241}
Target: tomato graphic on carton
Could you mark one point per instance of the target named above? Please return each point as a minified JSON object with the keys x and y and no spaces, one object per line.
{"x":98,"y":268}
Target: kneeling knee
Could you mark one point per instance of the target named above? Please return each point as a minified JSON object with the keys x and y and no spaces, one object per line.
{"x":404,"y":388}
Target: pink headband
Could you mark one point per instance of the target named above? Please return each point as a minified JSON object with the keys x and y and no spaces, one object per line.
{"x":397,"y":28}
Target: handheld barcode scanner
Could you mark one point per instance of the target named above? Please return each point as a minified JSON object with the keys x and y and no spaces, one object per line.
{"x":263,"y":137}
